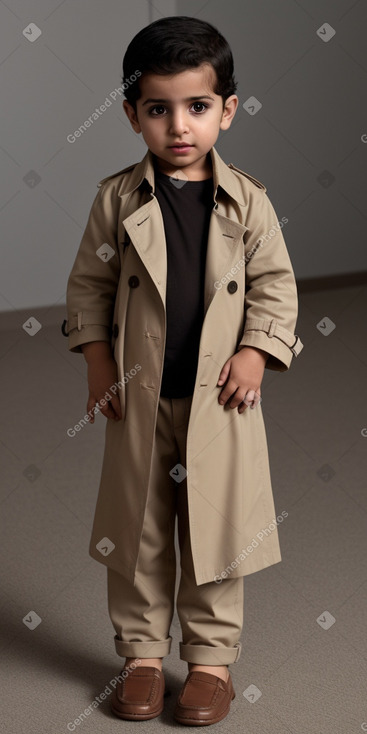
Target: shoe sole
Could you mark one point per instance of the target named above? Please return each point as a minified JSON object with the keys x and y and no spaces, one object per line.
{"x":136,"y":717}
{"x":205,"y":722}
{"x":199,"y":722}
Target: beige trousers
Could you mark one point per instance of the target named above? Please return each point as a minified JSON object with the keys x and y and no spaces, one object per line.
{"x":210,"y":615}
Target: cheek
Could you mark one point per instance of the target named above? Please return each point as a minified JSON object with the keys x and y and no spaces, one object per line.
{"x":145,"y":130}
{"x":152,"y":127}
{"x":210,"y":120}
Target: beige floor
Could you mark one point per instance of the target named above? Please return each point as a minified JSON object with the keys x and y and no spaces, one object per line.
{"x":312,"y":679}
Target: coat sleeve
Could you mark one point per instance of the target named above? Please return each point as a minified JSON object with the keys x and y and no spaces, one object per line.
{"x":93,"y":281}
{"x":271,"y":302}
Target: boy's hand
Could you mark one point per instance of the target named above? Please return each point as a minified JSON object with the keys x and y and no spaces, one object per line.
{"x":102,"y":375}
{"x":243,"y":373}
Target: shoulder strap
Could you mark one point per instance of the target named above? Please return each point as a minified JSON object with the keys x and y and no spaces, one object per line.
{"x":254,"y":180}
{"x":123,"y":170}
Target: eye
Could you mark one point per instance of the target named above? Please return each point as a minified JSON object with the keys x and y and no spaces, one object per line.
{"x":202,"y":107}
{"x":157,"y":110}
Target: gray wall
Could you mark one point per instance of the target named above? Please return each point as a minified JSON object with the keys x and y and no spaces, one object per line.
{"x":314,"y":112}
{"x":312,"y":120}
{"x":50,"y":86}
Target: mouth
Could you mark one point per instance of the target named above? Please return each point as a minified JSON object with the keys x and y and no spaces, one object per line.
{"x":180,"y":147}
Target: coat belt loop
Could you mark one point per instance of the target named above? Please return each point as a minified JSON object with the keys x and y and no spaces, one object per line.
{"x":80,"y":313}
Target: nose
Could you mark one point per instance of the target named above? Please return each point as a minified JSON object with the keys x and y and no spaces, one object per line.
{"x":179,"y":123}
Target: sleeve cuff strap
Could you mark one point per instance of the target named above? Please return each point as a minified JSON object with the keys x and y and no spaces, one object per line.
{"x":272,"y":328}
{"x":85,"y":318}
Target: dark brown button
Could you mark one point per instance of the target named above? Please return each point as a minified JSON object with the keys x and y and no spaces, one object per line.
{"x":232,"y":286}
{"x":133,"y":281}
{"x":115,"y":330}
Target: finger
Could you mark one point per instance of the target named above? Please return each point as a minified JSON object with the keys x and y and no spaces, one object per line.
{"x":224,"y":374}
{"x":112,"y":409}
{"x":236,"y":399}
{"x":90,"y":408}
{"x":249,"y":400}
{"x":91,"y":413}
{"x":242,"y":407}
{"x":249,"y":397}
{"x":107,"y":411}
{"x":227,"y":392}
{"x":252,"y":398}
{"x":257,"y":399}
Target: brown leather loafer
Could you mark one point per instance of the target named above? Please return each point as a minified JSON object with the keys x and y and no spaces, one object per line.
{"x":204,"y":699}
{"x":139,"y":696}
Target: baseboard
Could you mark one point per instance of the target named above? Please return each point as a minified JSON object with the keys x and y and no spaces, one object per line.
{"x":327,"y":282}
{"x":54,"y":315}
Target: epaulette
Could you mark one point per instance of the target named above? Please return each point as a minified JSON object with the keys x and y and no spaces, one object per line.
{"x":254,"y":180}
{"x":124,"y":170}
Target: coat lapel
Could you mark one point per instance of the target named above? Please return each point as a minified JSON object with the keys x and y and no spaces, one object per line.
{"x":225,"y":249}
{"x":146,"y":231}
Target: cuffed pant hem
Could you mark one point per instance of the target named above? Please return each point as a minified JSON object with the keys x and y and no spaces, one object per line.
{"x":209,"y":655}
{"x":152,"y":649}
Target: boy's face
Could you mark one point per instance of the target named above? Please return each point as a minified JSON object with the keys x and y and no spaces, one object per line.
{"x":177,"y":109}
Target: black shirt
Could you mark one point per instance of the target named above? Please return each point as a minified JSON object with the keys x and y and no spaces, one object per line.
{"x":186,"y":209}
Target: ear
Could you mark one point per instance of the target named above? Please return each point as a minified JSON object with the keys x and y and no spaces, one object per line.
{"x":130,"y":112}
{"x":229,"y":111}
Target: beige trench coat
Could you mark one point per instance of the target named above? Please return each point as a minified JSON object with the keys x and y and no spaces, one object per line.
{"x":250,"y":299}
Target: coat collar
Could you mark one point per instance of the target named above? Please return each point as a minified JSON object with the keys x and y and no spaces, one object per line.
{"x":223,"y":177}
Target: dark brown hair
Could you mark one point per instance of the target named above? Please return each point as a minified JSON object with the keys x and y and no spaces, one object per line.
{"x":174,"y":44}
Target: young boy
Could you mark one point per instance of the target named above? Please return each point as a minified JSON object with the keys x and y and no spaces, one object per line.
{"x":181,"y":293}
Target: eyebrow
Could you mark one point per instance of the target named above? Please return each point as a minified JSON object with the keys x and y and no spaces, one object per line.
{"x":188,"y":99}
